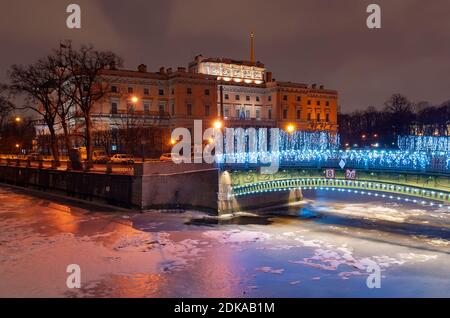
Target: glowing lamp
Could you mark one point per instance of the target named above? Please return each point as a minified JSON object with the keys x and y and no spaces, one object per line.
{"x":290,"y":129}
{"x":218,"y":124}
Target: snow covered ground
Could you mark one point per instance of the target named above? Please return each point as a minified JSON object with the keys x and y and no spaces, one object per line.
{"x":319,"y":250}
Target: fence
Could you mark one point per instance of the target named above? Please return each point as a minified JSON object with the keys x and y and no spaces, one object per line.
{"x":123,"y":169}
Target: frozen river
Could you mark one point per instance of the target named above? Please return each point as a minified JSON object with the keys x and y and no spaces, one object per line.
{"x":316,"y":250}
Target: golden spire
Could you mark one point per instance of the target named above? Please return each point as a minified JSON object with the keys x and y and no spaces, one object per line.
{"x":252,"y":47}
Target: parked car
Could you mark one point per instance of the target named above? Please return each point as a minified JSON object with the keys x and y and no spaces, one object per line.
{"x":166,"y":157}
{"x":101,"y":157}
{"x":34,"y":156}
{"x":122,"y":158}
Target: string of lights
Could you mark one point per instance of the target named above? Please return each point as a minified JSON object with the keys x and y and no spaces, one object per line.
{"x":424,"y":143}
{"x":317,"y":149}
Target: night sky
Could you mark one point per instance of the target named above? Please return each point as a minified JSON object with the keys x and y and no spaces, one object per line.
{"x":314,"y":41}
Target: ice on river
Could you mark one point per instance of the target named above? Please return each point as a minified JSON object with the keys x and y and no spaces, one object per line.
{"x":154,"y":254}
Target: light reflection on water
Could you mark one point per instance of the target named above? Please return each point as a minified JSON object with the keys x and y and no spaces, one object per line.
{"x":313,"y":250}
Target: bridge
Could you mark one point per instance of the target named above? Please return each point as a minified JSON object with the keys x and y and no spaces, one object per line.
{"x":420,"y":177}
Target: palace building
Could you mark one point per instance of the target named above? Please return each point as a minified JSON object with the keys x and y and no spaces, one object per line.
{"x":240,"y":93}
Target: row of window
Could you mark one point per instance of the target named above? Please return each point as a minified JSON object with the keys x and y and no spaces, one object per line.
{"x":162,"y":108}
{"x":247,"y":98}
{"x":246,"y":114}
{"x":285,"y":98}
{"x":161,"y":92}
{"x":308,"y":116}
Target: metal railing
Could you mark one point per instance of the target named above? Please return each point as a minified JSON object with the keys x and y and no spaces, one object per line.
{"x":109,"y":168}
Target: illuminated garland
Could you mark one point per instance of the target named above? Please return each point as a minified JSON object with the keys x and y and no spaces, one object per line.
{"x":424,"y":143}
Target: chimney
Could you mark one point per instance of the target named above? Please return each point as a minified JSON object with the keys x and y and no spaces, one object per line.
{"x":268,"y":77}
{"x":322,"y":87}
{"x":142,"y":68}
{"x":314,"y":86}
{"x":162,"y":70}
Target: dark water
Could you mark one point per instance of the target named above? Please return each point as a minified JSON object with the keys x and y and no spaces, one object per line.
{"x":318,"y":249}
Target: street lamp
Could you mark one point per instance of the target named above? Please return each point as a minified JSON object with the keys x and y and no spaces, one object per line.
{"x":218,"y":124}
{"x":18,"y":120}
{"x":290,"y":128}
{"x":134,"y":99}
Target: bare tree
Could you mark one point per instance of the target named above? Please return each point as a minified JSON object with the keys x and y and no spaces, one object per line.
{"x":36,"y":83}
{"x":401,"y":113}
{"x":131,"y":130}
{"x":398,"y":103}
{"x":86,"y":66}
{"x":5,"y":105}
{"x":63,"y":94}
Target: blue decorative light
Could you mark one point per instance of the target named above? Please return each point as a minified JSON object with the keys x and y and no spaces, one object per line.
{"x":320,"y":149}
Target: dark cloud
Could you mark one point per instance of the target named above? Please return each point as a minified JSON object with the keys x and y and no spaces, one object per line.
{"x":314,"y":41}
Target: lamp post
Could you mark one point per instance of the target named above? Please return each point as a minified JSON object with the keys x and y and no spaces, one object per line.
{"x":218,"y":124}
{"x":290,"y":129}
